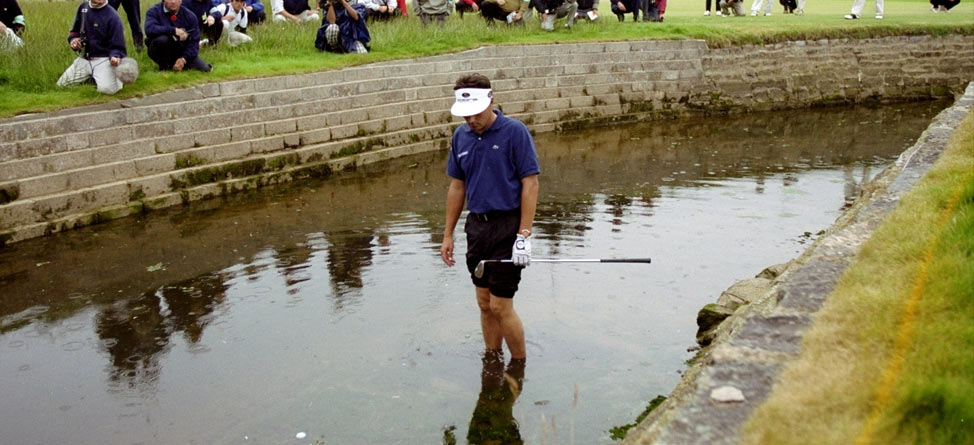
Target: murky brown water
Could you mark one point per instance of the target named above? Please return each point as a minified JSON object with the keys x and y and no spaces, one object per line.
{"x":323,"y":308}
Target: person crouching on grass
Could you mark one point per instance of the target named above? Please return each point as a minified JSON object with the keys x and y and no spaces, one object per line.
{"x":343,"y":29}
{"x":234,"y":16}
{"x":173,"y":36}
{"x":97,"y":35}
{"x":11,"y":25}
{"x":493,"y":168}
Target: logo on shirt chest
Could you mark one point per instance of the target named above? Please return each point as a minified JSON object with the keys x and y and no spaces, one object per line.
{"x":495,"y":147}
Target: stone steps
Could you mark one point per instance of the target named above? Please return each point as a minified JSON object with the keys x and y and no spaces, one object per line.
{"x":75,"y":167}
{"x":305,"y":122}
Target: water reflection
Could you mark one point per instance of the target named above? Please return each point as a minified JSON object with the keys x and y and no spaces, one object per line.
{"x":338,"y":283}
{"x":136,"y":332}
{"x":493,"y":419}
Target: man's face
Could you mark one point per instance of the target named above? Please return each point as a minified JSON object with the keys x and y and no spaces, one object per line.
{"x":480,"y":121}
{"x":172,"y":5}
{"x":98,"y":3}
{"x":237,"y":4}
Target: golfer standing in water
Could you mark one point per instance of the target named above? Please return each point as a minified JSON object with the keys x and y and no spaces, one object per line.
{"x":493,"y":167}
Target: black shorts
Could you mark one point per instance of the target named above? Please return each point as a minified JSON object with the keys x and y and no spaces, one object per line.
{"x":491,"y":237}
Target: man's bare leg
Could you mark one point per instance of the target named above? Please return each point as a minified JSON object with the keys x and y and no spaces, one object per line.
{"x":489,"y":324}
{"x":510,"y":325}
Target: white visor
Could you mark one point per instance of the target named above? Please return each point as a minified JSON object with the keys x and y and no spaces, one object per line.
{"x":471,"y":101}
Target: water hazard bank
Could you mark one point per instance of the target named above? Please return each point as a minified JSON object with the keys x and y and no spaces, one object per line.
{"x":322,"y":307}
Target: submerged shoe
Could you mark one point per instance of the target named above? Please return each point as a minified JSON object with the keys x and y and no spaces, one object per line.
{"x":851,"y":16}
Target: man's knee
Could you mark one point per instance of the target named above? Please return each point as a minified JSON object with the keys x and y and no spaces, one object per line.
{"x":501,"y":307}
{"x":109,"y":87}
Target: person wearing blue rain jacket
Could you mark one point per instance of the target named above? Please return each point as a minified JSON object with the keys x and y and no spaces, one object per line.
{"x":173,"y":37}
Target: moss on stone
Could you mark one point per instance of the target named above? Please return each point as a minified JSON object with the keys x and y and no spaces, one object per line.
{"x":619,"y":432}
{"x":136,"y":195}
{"x":188,"y":160}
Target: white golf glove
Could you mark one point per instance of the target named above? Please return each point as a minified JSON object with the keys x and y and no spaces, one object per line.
{"x":521,"y":254}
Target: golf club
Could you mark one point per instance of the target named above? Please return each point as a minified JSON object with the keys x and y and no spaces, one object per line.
{"x":479,"y":270}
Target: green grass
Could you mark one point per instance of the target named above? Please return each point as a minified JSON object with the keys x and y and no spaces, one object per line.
{"x":890,"y":358}
{"x":28,"y":76}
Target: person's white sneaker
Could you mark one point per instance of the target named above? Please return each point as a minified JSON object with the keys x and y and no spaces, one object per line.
{"x":706,"y":13}
{"x":799,"y":12}
{"x":718,"y":12}
{"x":879,"y":16}
{"x":851,"y":16}
{"x":767,"y":14}
{"x":754,"y":13}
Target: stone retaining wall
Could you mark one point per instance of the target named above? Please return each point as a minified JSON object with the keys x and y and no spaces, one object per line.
{"x":770,"y":314}
{"x":81,"y":166}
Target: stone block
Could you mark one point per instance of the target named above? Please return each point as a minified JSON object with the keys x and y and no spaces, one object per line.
{"x":175,"y":143}
{"x":21,"y":169}
{"x":267,"y":144}
{"x":344,"y":131}
{"x":211,"y":137}
{"x":353,"y":116}
{"x":76,"y":141}
{"x":246,"y":132}
{"x":163,"y":201}
{"x":292,"y":140}
{"x":122,"y":151}
{"x":202,"y":192}
{"x":42,"y":185}
{"x":315,"y":136}
{"x":110,"y":136}
{"x":398,"y":123}
{"x":230,"y":151}
{"x":18,"y":213}
{"x":155,"y":164}
{"x":557,"y":104}
{"x":154,"y":129}
{"x":238,"y":87}
{"x":40,"y":147}
{"x":369,"y":128}
{"x":146,"y":188}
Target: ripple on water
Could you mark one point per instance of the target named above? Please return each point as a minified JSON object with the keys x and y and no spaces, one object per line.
{"x":72,"y":346}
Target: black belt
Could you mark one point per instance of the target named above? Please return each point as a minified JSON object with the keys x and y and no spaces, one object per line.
{"x":494,"y":214}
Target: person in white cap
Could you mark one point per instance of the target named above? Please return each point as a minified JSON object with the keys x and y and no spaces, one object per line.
{"x":493,"y":168}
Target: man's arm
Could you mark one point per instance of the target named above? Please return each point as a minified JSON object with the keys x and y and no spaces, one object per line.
{"x":529,"y":202}
{"x":350,"y":10}
{"x":455,"y":197}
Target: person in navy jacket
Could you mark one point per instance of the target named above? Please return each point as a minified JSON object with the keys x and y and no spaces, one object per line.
{"x":98,"y":37}
{"x":210,"y":19}
{"x":255,"y":11}
{"x":173,"y":37}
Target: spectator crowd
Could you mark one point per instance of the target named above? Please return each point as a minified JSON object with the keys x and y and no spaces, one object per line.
{"x":174,"y":31}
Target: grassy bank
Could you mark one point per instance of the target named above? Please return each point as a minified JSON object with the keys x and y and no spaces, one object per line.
{"x":28,"y":76}
{"x":889,"y":358}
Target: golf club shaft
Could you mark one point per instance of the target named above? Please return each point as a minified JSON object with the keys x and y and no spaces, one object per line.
{"x":578,"y":260}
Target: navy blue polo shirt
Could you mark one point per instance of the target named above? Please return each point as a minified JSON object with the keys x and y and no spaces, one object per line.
{"x":492,"y":164}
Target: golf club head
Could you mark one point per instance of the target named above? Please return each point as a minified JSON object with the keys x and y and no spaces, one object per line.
{"x":479,"y":270}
